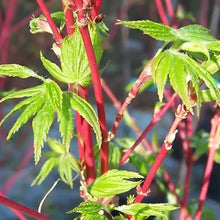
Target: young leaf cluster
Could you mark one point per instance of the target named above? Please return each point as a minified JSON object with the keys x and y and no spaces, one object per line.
{"x":57,"y":157}
{"x":190,"y":46}
{"x":41,"y":103}
{"x":116,"y":182}
{"x":73,"y":59}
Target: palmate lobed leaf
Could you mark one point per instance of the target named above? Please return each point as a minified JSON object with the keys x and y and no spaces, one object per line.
{"x":27,"y":114}
{"x":68,"y":163}
{"x":55,"y":95}
{"x":16,"y":70}
{"x":213,"y":65}
{"x":146,"y":210}
{"x":19,"y":106}
{"x":87,"y":208}
{"x":190,"y":33}
{"x":55,"y":70}
{"x":41,"y":125}
{"x":56,"y":146}
{"x":86,"y":111}
{"x":195,"y":33}
{"x":153,"y":29}
{"x":24,"y":93}
{"x":66,"y":122}
{"x":182,"y":71}
{"x":74,"y":62}
{"x":178,"y":80}
{"x":195,"y":47}
{"x":48,"y":166}
{"x":114,"y":182}
{"x":162,"y":66}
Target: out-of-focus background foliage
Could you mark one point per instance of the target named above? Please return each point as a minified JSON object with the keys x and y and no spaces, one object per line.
{"x":125,"y":53}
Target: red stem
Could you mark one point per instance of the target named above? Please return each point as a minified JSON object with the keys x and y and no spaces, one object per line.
{"x":171,"y":186}
{"x":25,"y":20}
{"x":69,"y":21}
{"x":96,"y":7}
{"x":213,"y":144}
{"x":204,"y":13}
{"x":12,"y":204}
{"x":15,"y":176}
{"x":170,"y":12}
{"x":187,"y":134}
{"x":132,"y":121}
{"x":57,"y":35}
{"x":161,"y":12}
{"x":79,"y":129}
{"x":84,"y":130}
{"x":10,"y":13}
{"x":89,"y":158}
{"x":160,"y":157}
{"x":143,"y":77}
{"x":153,"y":122}
{"x":96,"y":85}
{"x":16,"y":212}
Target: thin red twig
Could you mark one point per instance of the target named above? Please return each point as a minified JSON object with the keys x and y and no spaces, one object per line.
{"x":144,"y":76}
{"x":156,"y":118}
{"x":12,"y":204}
{"x":214,"y":142}
{"x":180,"y":115}
{"x":161,"y":12}
{"x":57,"y":35}
{"x":186,"y":134}
{"x":171,"y":12}
{"x":132,"y":121}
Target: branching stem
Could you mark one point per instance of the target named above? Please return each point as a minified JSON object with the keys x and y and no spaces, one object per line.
{"x":214,"y":143}
{"x":180,"y":115}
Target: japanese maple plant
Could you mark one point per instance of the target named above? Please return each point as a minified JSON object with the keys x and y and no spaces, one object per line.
{"x":183,"y":72}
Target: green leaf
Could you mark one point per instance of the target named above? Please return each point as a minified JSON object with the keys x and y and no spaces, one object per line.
{"x":55,"y":70}
{"x":74,"y":62}
{"x":202,"y":74}
{"x":213,"y":46}
{"x":178,"y":80}
{"x":195,"y":33}
{"x":48,"y":166}
{"x":153,"y":29}
{"x":55,"y":94}
{"x":114,"y":182}
{"x":207,"y":96}
{"x":20,"y":105}
{"x":195,"y":47}
{"x":28,"y":112}
{"x":86,"y":111}
{"x":88,"y":208}
{"x":24,"y":93}
{"x":213,"y":65}
{"x":217,"y":156}
{"x":114,"y":156}
{"x":67,"y":164}
{"x":207,"y":213}
{"x":200,"y":142}
{"x":16,"y":70}
{"x":66,"y":122}
{"x":146,"y":210}
{"x":160,"y":70}
{"x":56,"y":146}
{"x":41,"y":125}
{"x":195,"y":84}
{"x":140,"y":163}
